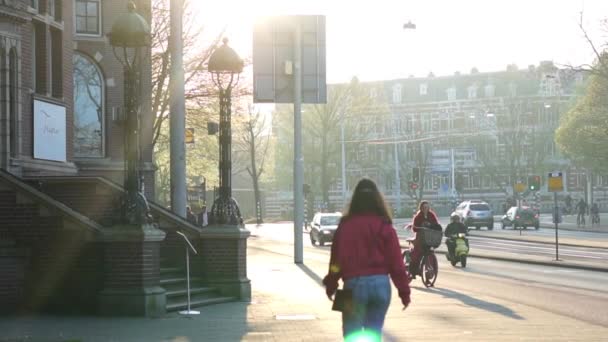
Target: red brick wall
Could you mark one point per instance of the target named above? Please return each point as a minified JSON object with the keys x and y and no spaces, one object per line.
{"x":86,"y":198}
{"x":54,"y":269}
{"x":131,"y":265}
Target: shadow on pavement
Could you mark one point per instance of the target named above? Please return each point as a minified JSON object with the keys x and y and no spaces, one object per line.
{"x":311,"y":273}
{"x":478,"y":303}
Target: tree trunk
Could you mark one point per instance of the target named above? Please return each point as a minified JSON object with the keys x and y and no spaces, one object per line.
{"x":324,"y":176}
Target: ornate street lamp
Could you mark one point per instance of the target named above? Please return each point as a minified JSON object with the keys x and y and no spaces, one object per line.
{"x":225,"y":67}
{"x":130,"y":37}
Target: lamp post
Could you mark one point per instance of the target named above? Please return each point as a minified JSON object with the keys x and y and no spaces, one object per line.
{"x":130,"y":35}
{"x":225,"y":67}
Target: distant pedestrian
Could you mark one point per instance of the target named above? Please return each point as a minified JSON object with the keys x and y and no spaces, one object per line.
{"x":581,"y":208}
{"x":365,"y":250}
{"x":203,"y":219}
{"x":190,"y":217}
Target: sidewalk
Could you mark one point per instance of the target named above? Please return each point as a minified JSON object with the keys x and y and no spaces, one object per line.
{"x":569,"y":223}
{"x":289,"y":304}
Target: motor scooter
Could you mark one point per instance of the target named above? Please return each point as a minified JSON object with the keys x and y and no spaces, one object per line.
{"x":461,"y":250}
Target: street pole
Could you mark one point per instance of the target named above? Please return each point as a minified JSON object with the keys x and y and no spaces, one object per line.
{"x":178,"y":115}
{"x":453,"y":172}
{"x":556,"y":220}
{"x":343,"y":162}
{"x":298,"y":167}
{"x":397,"y":176}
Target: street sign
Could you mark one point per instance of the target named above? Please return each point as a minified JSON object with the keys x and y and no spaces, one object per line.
{"x":555,"y":182}
{"x":189,"y":136}
{"x":273,"y":59}
{"x":520,"y":187}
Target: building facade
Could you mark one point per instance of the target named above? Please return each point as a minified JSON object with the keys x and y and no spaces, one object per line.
{"x":62,"y":90}
{"x":465,"y":136}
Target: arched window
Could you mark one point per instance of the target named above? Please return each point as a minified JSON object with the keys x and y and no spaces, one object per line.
{"x":12,"y":101}
{"x":88,"y":108}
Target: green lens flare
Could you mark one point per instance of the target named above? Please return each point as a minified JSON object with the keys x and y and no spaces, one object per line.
{"x":363,"y":336}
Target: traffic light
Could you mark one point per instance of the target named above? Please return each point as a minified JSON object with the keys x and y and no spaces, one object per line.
{"x":534,"y":183}
{"x":415,"y":175}
{"x":413,"y":185}
{"x":306,"y":189}
{"x":212,"y":127}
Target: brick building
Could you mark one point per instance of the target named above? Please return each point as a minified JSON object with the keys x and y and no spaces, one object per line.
{"x":468,"y":136}
{"x":62,"y":246}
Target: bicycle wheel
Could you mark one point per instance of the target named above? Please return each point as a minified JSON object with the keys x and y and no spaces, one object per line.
{"x":429,"y":269}
{"x":407,"y":259}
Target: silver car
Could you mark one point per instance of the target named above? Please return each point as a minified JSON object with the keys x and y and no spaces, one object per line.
{"x":323,"y":227}
{"x":475,"y":214}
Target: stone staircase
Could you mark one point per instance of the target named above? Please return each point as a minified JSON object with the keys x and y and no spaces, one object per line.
{"x":174,"y":281}
{"x":74,"y":193}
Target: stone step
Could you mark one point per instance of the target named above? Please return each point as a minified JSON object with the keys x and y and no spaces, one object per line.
{"x":182,"y":305}
{"x":178,"y":280}
{"x":197,"y":291}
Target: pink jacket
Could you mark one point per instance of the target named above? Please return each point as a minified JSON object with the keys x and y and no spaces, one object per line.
{"x":366,"y":245}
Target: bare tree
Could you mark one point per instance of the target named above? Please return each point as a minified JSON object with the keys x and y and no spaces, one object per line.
{"x":254,"y":138}
{"x":199,"y":90}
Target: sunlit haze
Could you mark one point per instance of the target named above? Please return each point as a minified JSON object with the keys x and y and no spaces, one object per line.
{"x":367,"y":39}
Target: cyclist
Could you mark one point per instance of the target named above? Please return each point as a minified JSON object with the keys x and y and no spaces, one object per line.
{"x":595,"y":214}
{"x":424,"y":218}
{"x":581,"y":207}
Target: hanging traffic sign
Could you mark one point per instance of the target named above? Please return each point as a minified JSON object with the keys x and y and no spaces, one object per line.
{"x":520,"y":187}
{"x":555,"y":182}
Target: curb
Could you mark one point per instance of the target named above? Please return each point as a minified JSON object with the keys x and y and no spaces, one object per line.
{"x":534,"y":241}
{"x":542,"y":263}
{"x":532,"y":262}
{"x":574,"y":229}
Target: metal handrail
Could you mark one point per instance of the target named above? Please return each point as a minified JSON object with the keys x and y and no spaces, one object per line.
{"x":189,"y":247}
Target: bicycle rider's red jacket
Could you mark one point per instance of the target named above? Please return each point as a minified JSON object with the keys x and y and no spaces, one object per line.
{"x":366,"y":245}
{"x":421,"y":221}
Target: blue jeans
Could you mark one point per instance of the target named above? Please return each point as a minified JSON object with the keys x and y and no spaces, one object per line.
{"x":371,"y":298}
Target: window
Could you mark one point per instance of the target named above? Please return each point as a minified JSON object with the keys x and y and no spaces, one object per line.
{"x":40,"y":73}
{"x":88,"y":108}
{"x":34,"y":4}
{"x":512,"y":89}
{"x":373,"y":93}
{"x":55,"y":9}
{"x":56,"y":63}
{"x":397,"y":93}
{"x":88,"y":17}
{"x":424,"y":89}
{"x":451,"y":92}
{"x":489,"y":90}
{"x":12,"y":101}
{"x":472,"y":90}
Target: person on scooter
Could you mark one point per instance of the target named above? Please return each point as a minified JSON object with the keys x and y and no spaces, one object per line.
{"x":454,"y":228}
{"x":424,"y":218}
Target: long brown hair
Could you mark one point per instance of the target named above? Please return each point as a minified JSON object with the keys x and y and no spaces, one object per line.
{"x":367,"y":199}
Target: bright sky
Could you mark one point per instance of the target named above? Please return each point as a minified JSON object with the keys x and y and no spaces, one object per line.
{"x":366,"y":38}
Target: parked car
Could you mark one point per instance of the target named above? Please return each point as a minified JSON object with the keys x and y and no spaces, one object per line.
{"x":323,"y":227}
{"x":521,"y":217}
{"x":475,"y":213}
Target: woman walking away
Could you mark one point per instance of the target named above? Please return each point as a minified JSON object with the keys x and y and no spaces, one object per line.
{"x":365,"y":250}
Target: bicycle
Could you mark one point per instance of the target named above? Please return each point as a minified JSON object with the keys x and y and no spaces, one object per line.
{"x":580,"y":219}
{"x":428,"y":269}
{"x":595,"y":218}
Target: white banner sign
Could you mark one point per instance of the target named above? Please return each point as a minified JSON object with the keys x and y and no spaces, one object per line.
{"x":49,"y":131}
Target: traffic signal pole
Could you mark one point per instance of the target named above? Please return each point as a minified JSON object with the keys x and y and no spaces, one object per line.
{"x":298,"y":162}
{"x":556,"y":220}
